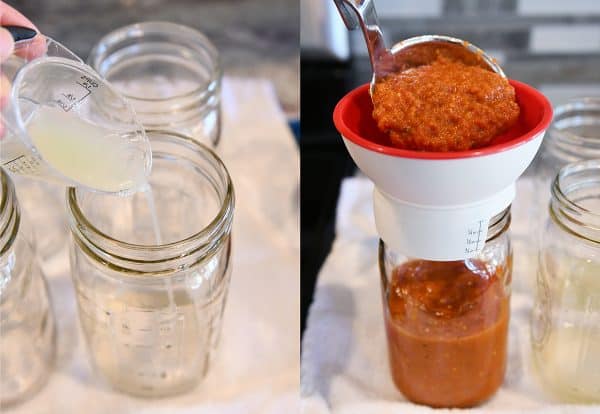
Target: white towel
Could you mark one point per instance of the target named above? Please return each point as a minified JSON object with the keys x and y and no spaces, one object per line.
{"x":344,"y":355}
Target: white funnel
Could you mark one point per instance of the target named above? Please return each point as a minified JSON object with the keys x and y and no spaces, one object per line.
{"x":437,"y":205}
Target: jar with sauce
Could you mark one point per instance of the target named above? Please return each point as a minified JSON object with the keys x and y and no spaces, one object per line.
{"x":565,"y":328}
{"x":447,"y":322}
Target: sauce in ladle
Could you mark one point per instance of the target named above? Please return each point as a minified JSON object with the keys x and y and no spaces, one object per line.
{"x":446,"y":105}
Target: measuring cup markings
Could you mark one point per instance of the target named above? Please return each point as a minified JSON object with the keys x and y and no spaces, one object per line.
{"x":113,"y":155}
{"x":24,"y":164}
{"x":71,"y":97}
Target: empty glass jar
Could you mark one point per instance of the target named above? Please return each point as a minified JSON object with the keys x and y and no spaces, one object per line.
{"x":27,"y":326}
{"x":170,"y":73}
{"x":565,"y":329}
{"x":151,"y":271}
{"x":574,"y":135}
{"x":447,"y":322}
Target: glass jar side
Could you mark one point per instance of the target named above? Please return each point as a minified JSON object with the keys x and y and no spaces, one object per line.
{"x":151,"y":307}
{"x":566,"y":313}
{"x":155,"y":335}
{"x":574,"y":135}
{"x":447,"y":322}
{"x":27,"y":325}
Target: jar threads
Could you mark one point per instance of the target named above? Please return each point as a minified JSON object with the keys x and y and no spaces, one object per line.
{"x":170,"y":73}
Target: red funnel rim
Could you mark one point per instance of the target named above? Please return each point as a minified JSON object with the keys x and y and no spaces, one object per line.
{"x":352,"y":118}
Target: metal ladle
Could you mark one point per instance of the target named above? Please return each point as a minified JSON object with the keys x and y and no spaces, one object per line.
{"x":409,"y":53}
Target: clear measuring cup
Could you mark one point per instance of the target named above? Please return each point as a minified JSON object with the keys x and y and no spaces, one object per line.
{"x":63,"y":122}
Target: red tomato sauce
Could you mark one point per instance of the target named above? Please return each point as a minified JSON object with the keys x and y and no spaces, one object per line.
{"x":447,"y":325}
{"x":444,"y":106}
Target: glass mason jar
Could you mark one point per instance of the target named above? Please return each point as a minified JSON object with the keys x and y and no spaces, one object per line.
{"x":574,"y":135}
{"x":152,"y":270}
{"x":170,"y":73}
{"x":447,"y":322}
{"x":27,"y":326}
{"x":565,"y":329}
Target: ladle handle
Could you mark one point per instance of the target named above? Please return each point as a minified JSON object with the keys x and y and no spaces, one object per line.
{"x":20,"y":33}
{"x":348,"y":13}
{"x":362,"y":13}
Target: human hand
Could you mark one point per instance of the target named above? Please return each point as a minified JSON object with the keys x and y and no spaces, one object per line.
{"x":36,"y":47}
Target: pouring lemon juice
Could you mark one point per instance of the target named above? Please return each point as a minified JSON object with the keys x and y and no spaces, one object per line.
{"x":66,"y":124}
{"x":150,"y":279}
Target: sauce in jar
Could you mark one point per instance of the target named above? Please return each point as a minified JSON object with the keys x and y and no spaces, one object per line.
{"x":447,"y":325}
{"x":444,"y":106}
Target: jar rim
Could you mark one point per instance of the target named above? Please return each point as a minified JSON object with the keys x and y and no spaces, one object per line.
{"x":10,"y":217}
{"x":565,"y":143}
{"x":138,"y":30}
{"x":4,"y":190}
{"x":499,"y":224}
{"x":81,"y":226}
{"x":568,"y":213}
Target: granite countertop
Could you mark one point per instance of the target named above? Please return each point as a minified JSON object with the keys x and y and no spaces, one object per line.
{"x":256,"y":38}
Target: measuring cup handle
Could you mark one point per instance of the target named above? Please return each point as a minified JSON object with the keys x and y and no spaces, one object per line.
{"x":20,"y":33}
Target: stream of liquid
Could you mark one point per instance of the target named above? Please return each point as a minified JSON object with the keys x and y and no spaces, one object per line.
{"x":159,"y":241}
{"x":149,"y":195}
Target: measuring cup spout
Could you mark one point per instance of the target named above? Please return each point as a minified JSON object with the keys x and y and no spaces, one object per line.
{"x":64,"y":123}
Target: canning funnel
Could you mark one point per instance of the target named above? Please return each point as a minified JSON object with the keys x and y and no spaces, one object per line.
{"x":437,"y":205}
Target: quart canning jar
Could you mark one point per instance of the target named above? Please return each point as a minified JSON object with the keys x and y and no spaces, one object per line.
{"x":27,"y":326}
{"x":565,"y":328}
{"x":152,"y":270}
{"x":169,"y":72}
{"x":447,"y":322}
{"x":574,"y":135}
